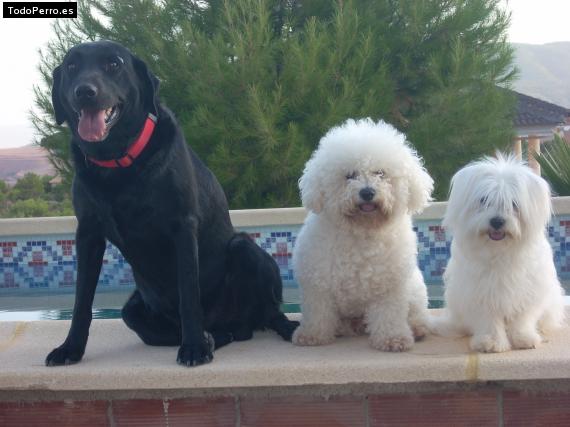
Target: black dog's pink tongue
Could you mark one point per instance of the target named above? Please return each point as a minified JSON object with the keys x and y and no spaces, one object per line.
{"x":92,"y":125}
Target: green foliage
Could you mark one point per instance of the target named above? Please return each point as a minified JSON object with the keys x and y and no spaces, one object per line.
{"x":34,"y":196}
{"x":28,"y":208}
{"x":31,"y":186}
{"x":256,"y":83}
{"x":555,"y":165}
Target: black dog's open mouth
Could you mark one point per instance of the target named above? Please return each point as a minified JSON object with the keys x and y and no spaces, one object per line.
{"x":94,"y":125}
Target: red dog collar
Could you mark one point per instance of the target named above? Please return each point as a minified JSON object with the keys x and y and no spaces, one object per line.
{"x":134,"y":150}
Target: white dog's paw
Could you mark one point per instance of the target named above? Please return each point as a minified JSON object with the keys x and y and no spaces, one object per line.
{"x":419,"y":332}
{"x":489,"y":344}
{"x":525,"y":340}
{"x":394,"y":343}
{"x":302,"y":338}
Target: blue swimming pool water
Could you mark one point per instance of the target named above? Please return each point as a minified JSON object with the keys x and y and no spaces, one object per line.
{"x":49,"y":305}
{"x":107,"y":305}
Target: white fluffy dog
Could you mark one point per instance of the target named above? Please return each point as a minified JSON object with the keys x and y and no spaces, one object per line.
{"x":501,"y":284}
{"x":355,"y":257}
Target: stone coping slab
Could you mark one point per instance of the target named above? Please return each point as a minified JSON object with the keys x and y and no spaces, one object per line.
{"x":240,"y":218}
{"x":117,"y":360}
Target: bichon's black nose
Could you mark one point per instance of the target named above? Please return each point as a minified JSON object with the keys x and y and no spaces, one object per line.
{"x":497,"y":222}
{"x":85,"y":91}
{"x":367,"y":194}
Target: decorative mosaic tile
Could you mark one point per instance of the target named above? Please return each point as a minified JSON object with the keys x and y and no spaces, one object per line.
{"x":433,"y":249}
{"x":279,"y":243}
{"x":49,"y":262}
{"x":559,"y":237}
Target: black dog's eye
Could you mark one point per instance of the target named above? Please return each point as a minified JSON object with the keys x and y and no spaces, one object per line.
{"x":114,"y":64}
{"x":379,"y":173}
{"x":71,"y":67}
{"x":351,"y":175}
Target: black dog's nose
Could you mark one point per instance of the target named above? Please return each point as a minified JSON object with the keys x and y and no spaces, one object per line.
{"x":85,"y":91}
{"x":497,"y":222}
{"x":367,"y":194}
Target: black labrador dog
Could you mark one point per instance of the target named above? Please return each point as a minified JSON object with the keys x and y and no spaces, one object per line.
{"x":199,"y":284}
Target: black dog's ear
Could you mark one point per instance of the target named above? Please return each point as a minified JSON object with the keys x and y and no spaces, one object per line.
{"x":58,"y":109}
{"x":150,"y":84}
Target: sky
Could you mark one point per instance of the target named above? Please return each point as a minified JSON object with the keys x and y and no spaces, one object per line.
{"x":532,"y":21}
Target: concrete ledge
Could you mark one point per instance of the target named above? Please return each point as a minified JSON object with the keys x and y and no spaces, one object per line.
{"x":240,"y":218}
{"x":117,"y":361}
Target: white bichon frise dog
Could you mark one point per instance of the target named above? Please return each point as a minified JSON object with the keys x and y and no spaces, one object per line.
{"x":501,"y":286}
{"x":355,"y":256}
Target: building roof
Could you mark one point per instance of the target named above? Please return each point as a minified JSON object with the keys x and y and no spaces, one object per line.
{"x":536,"y":112}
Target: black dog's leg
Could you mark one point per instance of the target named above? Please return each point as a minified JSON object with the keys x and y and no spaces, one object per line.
{"x":254,"y":275}
{"x":155,"y":329}
{"x":243,"y":332}
{"x":221,"y":338}
{"x":276,"y":319}
{"x":90,"y":249}
{"x":152,"y":327}
{"x":197,"y":346}
{"x":282,"y":325}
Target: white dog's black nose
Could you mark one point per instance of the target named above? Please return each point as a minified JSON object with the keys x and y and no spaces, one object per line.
{"x":85,"y":91}
{"x":497,"y":222}
{"x":367,"y":194}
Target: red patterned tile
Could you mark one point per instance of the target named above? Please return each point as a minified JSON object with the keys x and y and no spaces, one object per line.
{"x":540,"y":409}
{"x":449,"y":409}
{"x":61,"y":414}
{"x":289,"y":411}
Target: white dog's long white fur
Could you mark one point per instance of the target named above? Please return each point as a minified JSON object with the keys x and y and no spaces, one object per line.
{"x":355,"y":259}
{"x":501,"y":285}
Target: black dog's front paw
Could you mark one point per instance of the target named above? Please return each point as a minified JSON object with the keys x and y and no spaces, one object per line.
{"x":284,"y":327}
{"x":289,"y":329}
{"x":197,"y":354}
{"x":64,"y":355}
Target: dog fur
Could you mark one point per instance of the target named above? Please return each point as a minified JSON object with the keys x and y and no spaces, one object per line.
{"x":199,"y":284}
{"x":355,"y":256}
{"x":501,"y":286}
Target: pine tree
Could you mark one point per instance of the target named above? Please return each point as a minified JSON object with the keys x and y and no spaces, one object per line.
{"x":256,"y":83}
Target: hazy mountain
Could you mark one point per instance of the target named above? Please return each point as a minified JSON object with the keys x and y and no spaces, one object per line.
{"x":544,"y":71}
{"x":16,"y":162}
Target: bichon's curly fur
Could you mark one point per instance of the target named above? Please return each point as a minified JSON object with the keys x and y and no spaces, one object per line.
{"x":501,"y":283}
{"x":355,"y":256}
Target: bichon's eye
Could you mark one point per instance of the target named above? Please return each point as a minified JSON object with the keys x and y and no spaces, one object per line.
{"x":351,"y":175}
{"x":379,"y":173}
{"x":515,"y":207}
{"x":483,"y":201}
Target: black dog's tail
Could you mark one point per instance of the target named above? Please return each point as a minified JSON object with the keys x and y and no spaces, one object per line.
{"x":254,"y":277}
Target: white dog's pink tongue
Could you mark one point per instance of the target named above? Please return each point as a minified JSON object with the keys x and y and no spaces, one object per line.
{"x":367,"y":207}
{"x":92,"y":125}
{"x":497,"y":235}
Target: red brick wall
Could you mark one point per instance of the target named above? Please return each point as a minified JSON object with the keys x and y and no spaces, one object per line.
{"x":465,"y":408}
